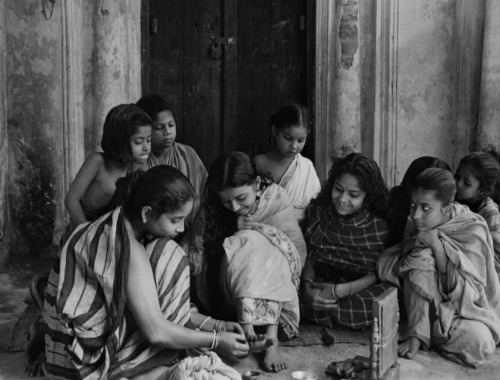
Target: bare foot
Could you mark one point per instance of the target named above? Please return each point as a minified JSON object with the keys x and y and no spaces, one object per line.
{"x":261,"y":343}
{"x":409,"y":348}
{"x":35,"y":349}
{"x":249,"y":332}
{"x":273,"y":362}
{"x":34,"y":366}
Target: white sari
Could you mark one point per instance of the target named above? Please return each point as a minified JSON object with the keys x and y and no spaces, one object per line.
{"x":301,"y":183}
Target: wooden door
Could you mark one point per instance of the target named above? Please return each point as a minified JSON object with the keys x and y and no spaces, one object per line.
{"x":225,"y":66}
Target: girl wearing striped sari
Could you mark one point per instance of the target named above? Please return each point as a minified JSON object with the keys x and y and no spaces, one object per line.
{"x":117,"y":306}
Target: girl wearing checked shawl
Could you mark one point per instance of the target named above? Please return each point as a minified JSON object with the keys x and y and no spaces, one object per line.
{"x":451,"y":289}
{"x":245,"y":252}
{"x":115,"y":307}
{"x":345,"y":233}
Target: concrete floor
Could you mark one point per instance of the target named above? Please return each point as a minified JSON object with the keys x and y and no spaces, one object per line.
{"x":14,"y":278}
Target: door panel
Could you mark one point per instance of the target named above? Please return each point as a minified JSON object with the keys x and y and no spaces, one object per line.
{"x":223,"y":98}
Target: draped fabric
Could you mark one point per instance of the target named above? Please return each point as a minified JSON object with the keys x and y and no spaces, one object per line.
{"x":489,"y":211}
{"x":344,"y":249}
{"x":261,"y":269}
{"x":301,"y":183}
{"x":468,"y":291}
{"x":90,"y":334}
{"x":274,"y":209}
{"x":186,"y":160}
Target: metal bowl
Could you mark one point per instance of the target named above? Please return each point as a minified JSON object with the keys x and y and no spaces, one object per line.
{"x":304,"y":375}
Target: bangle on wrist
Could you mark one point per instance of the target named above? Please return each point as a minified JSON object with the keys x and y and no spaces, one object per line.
{"x":204,"y":321}
{"x":308,"y":280}
{"x":334,"y":293}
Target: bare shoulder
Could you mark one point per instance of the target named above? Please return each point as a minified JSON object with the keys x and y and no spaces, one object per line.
{"x":261,"y":160}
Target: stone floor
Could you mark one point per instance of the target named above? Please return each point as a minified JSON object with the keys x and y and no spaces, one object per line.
{"x":15,"y":276}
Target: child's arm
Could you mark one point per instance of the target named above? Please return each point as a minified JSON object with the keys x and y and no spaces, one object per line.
{"x":79,"y":186}
{"x":431,"y":239}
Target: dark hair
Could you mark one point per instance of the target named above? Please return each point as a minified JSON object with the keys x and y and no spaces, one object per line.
{"x":369,"y":177}
{"x":153,"y":104}
{"x":486,"y":170}
{"x":291,"y":115}
{"x":163,"y":188}
{"x":228,"y":170}
{"x":399,"y":203}
{"x":441,"y":181}
{"x":120,"y":124}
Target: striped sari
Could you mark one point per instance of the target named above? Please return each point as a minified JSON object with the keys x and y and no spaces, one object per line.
{"x":90,"y":333}
{"x":344,"y":249}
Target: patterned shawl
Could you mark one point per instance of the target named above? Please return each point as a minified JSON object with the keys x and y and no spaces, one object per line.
{"x":351,"y":243}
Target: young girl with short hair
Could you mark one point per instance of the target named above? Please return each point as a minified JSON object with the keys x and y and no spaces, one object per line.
{"x":284,"y":164}
{"x":126,"y":144}
{"x":451,"y":289}
{"x":478,"y":187}
{"x":345,"y":232}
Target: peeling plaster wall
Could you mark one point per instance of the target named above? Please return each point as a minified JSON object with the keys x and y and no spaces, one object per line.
{"x":489,"y":111}
{"x":36,"y":95}
{"x":425,"y":87}
{"x":34,"y":107}
{"x":111,"y":51}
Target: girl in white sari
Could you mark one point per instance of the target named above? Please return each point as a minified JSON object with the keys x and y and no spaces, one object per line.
{"x":245,"y":252}
{"x":284,"y":164}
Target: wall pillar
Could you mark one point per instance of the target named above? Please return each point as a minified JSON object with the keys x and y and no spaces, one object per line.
{"x":112,"y":61}
{"x":386,"y":88}
{"x":4,"y":238}
{"x":489,"y":110}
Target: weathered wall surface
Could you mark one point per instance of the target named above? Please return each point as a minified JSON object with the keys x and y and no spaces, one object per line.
{"x":4,"y":236}
{"x":36,"y":98}
{"x":112,"y":61}
{"x":34,"y":108}
{"x":489,"y":113}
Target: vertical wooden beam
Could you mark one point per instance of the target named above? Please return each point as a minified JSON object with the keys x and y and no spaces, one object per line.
{"x":386,"y":88}
{"x":325,"y":68}
{"x":4,"y":241}
{"x":72,"y":88}
{"x":229,"y":76}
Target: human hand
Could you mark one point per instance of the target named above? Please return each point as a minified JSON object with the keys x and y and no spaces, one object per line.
{"x":233,"y":327}
{"x":315,"y":296}
{"x":245,"y":223}
{"x":232,"y":345}
{"x":429,"y":238}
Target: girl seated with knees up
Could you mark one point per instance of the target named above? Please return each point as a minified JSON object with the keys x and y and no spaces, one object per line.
{"x":117,"y":302}
{"x":478,"y":185}
{"x":126,"y":144}
{"x":245,"y":250}
{"x":284,"y":164}
{"x":399,"y":196}
{"x":451,"y":289}
{"x":345,"y":232}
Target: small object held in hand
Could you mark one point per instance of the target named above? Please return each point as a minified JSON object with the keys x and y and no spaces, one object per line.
{"x":327,"y":338}
{"x":304,"y":375}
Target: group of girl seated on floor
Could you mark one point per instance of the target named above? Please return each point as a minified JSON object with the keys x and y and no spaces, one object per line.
{"x":265,"y":245}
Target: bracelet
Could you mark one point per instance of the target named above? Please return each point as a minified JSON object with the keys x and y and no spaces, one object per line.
{"x":348,"y":294}
{"x":310,"y":281}
{"x":214,"y":341}
{"x":202,"y":323}
{"x":333,"y":291}
{"x":219,"y":325}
